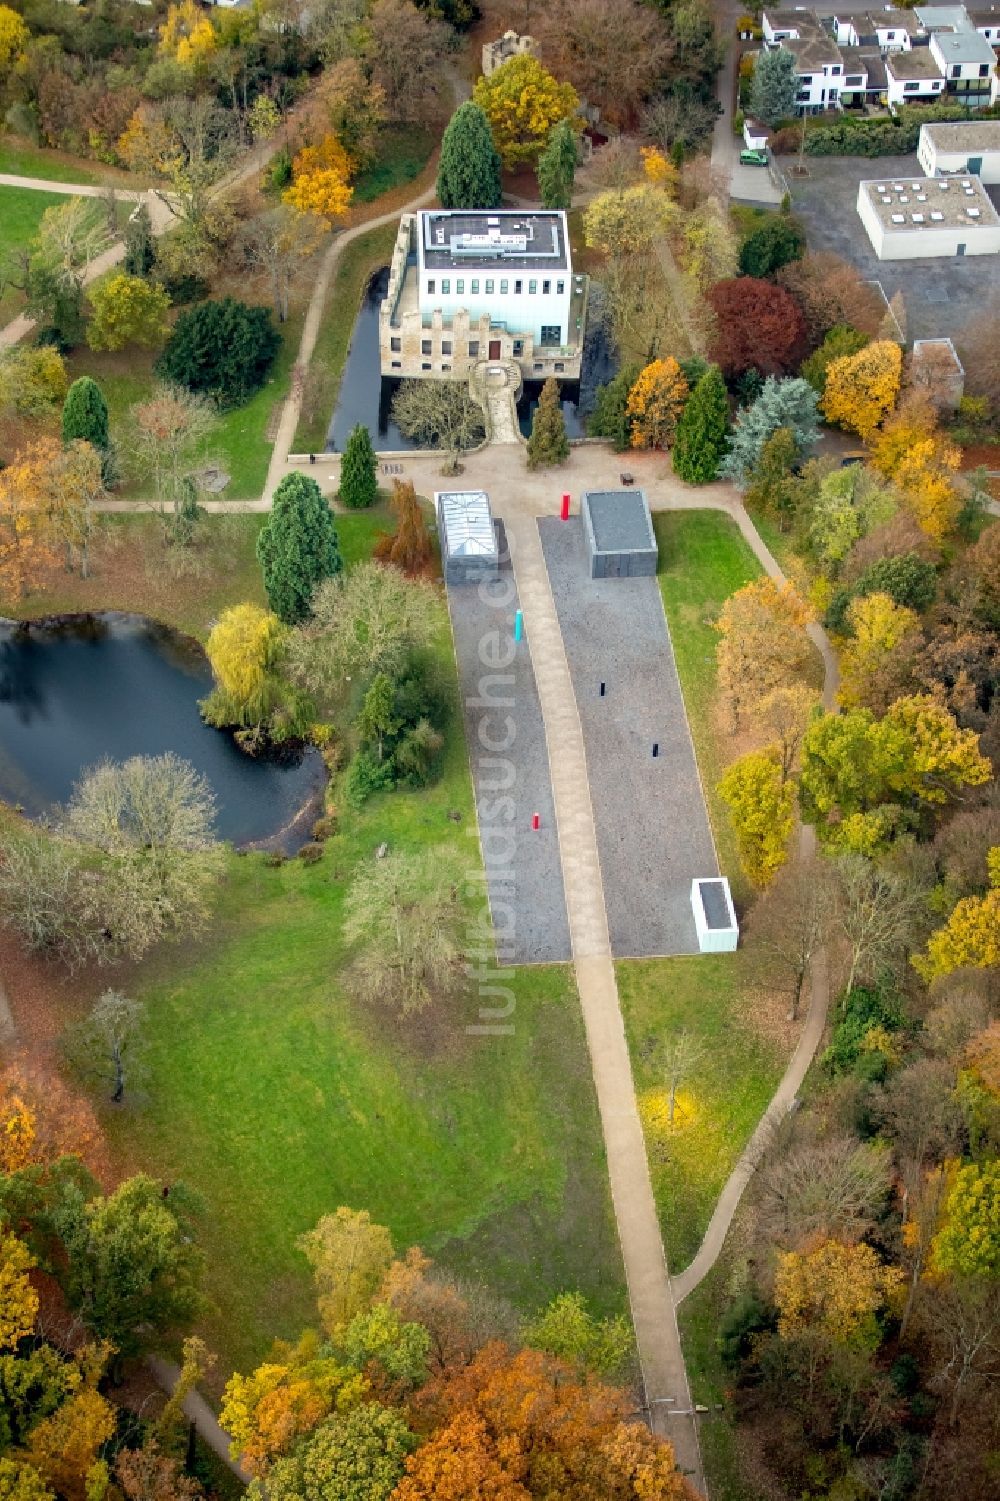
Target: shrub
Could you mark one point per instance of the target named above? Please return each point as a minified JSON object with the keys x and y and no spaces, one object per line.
{"x":367,"y":775}
{"x":221,"y":349}
{"x":311,"y":852}
{"x":867,"y":1020}
{"x":324,"y":828}
{"x":774,"y":245}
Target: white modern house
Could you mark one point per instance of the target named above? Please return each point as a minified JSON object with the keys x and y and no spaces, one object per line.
{"x":961,"y":146}
{"x":860,"y":55}
{"x":919,"y":218}
{"x":471,"y":286}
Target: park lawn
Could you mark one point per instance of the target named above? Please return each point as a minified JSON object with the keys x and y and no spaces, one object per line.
{"x":719,"y":1104}
{"x":21,"y":211}
{"x":403,"y":153}
{"x":360,"y":258}
{"x":278,"y":1098}
{"x":133,"y":570}
{"x":703,"y":560}
{"x":20,"y":159}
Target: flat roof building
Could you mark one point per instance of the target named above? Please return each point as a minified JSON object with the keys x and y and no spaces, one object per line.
{"x":467,"y":535}
{"x":621,"y":542}
{"x":918,"y":218}
{"x":961,"y":147}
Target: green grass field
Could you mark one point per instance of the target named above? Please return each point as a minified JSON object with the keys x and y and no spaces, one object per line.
{"x":278,"y":1098}
{"x":21,"y":211}
{"x":361,"y":257}
{"x":720,"y":1103}
{"x":402,"y":155}
{"x":703,"y":559}
{"x":21,"y":160}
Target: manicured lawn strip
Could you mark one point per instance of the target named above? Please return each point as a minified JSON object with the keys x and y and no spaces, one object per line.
{"x":721,"y":1102}
{"x":403,"y":153}
{"x":361,"y":257}
{"x":131,"y":571}
{"x":699,"y":1317}
{"x":21,"y":160}
{"x":779,"y":544}
{"x":703,"y":559}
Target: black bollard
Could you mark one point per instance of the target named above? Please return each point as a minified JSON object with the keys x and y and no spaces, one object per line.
{"x":656,"y":749}
{"x":603,"y":686}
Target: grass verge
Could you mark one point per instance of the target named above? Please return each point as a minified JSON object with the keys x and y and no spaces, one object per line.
{"x":721,"y":1100}
{"x":20,"y":159}
{"x":322,"y":380}
{"x":703,"y":559}
{"x":404,"y":151}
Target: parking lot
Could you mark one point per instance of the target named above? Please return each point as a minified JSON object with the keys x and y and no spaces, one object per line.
{"x":941,"y":295}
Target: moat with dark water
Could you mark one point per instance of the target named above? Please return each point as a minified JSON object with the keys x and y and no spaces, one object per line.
{"x":78,"y":690}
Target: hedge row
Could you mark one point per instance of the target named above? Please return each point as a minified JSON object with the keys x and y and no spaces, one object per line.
{"x":882,"y":137}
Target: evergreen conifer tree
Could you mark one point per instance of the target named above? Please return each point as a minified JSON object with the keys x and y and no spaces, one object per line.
{"x":358,"y":482}
{"x":85,"y":414}
{"x":140,"y":247}
{"x":700,"y":442}
{"x":548,"y":443}
{"x":557,"y":166}
{"x":469,"y":170}
{"x":298,"y":547}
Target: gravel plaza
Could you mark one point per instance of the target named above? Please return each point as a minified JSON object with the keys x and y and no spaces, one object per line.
{"x":510,"y":770}
{"x":652,"y":826}
{"x":941,"y":294}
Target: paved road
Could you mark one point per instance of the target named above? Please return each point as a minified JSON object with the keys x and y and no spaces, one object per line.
{"x":749,"y":184}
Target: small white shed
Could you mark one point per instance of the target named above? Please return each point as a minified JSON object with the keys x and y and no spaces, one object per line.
{"x":951,"y":147}
{"x":756,"y":135}
{"x":714,"y":915}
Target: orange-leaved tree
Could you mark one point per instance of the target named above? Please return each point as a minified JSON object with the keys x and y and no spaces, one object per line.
{"x":834,"y":1290}
{"x":655,"y":402}
{"x":922,"y":464}
{"x":320,"y":180}
{"x":763,"y":644}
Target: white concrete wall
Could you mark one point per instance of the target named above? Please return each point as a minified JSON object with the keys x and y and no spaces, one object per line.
{"x":936,"y":162}
{"x":928,"y":242}
{"x":930,"y":88}
{"x":871,"y":221}
{"x":482,"y":292}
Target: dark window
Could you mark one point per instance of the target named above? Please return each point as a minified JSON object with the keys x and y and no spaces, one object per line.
{"x":910,"y":88}
{"x":395,"y":345}
{"x":956,"y":71}
{"x":518,"y":348}
{"x":551,"y":334}
{"x":560,"y":287}
{"x":426,"y":365}
{"x":430,"y":287}
{"x":984,"y":70}
{"x":425,"y":346}
{"x":517,"y":288}
{"x":546,"y":287}
{"x":559,"y":365}
{"x":835,"y":71}
{"x":473,"y":348}
{"x":446,"y":346}
{"x":445,"y":367}
{"x":397,"y":364}
{"x":537,"y":365}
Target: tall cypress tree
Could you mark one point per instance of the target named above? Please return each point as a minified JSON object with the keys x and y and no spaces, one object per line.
{"x":358,"y":482}
{"x":548,"y":443}
{"x":85,"y":414}
{"x":297,"y":547}
{"x":700,"y":441}
{"x":469,"y":170}
{"x":557,"y":166}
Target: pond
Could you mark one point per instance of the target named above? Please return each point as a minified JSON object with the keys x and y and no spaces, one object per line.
{"x":366,"y":397}
{"x":77,"y":690}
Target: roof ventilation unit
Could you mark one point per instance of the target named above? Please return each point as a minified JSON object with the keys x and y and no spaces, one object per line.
{"x":973,"y":213}
{"x":899,"y":218}
{"x":937,"y":215}
{"x":917,"y":218}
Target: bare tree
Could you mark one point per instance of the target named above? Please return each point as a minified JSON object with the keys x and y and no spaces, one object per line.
{"x":439,"y":414}
{"x":169,"y":432}
{"x":961,"y":1319}
{"x":681,"y":1055}
{"x":404,"y":49}
{"x":363,"y":622}
{"x":405,"y":917}
{"x":107,"y":1043}
{"x":833,"y":1187}
{"x":880,"y":913}
{"x":920,"y":1109}
{"x":790,"y":922}
{"x":278,"y":243}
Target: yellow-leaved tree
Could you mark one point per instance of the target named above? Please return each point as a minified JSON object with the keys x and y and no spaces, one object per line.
{"x":18,"y":1299}
{"x":243,"y":649}
{"x":128,"y":310}
{"x":763,"y":643}
{"x":835,"y":1291}
{"x":14,"y":38}
{"x":971,"y":936}
{"x":655,"y":402}
{"x":761,"y":803}
{"x":350,"y":1255}
{"x":523,"y":101}
{"x":320,"y":180}
{"x":187,"y":35}
{"x":922,"y":463}
{"x":862,"y":389}
{"x":876,"y":661}
{"x":659,"y":169}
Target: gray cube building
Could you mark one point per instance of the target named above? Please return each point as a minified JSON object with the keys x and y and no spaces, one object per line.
{"x":621,"y":542}
{"x":468,"y":537}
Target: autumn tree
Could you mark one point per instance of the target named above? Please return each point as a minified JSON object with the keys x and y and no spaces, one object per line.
{"x":614,"y":59}
{"x":439,"y":414}
{"x":53,"y":270}
{"x":320,"y":181}
{"x":835,"y":1290}
{"x":355,"y":1456}
{"x":790,"y":924}
{"x":403,"y":48}
{"x":368,"y":620}
{"x":567,"y":1329}
{"x":861,"y":389}
{"x":709,"y":250}
{"x":788,"y":404}
{"x":832,"y":1187}
{"x":245,"y":649}
{"x":279,"y":242}
{"x":557,"y":167}
{"x":18,"y":1299}
{"x":522,"y":102}
{"x":169,"y":433}
{"x":352,"y":105}
{"x":831,"y":291}
{"x":626,"y":224}
{"x":548,"y":443}
{"x":701,"y":437}
{"x":922,"y":464}
{"x":41,"y":1119}
{"x":759,"y":326}
{"x":761,"y":809}
{"x":358,"y":478}
{"x":763,"y":642}
{"x":876,"y":664}
{"x":971,"y":936}
{"x":404,"y":918}
{"x":655,"y":403}
{"x":48,"y":497}
{"x":297,"y":547}
{"x":187,"y":35}
{"x":127,"y":310}
{"x":349,"y":1255}
{"x":968,"y":1243}
{"x":469,"y":169}
{"x":14,"y":39}
{"x":32,"y":380}
{"x":879,"y":911}
{"x":839,"y":342}
{"x":408,"y":548}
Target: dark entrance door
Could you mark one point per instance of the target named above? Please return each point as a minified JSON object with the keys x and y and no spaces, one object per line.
{"x":975,"y":164}
{"x":494,"y":349}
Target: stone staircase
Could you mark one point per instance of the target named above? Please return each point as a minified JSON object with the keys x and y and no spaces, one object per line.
{"x":495,"y":385}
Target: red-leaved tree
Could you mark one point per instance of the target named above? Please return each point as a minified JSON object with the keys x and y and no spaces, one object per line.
{"x":759,"y":326}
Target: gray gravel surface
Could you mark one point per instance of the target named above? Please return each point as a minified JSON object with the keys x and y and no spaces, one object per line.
{"x":523,"y":870}
{"x":653,"y":833}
